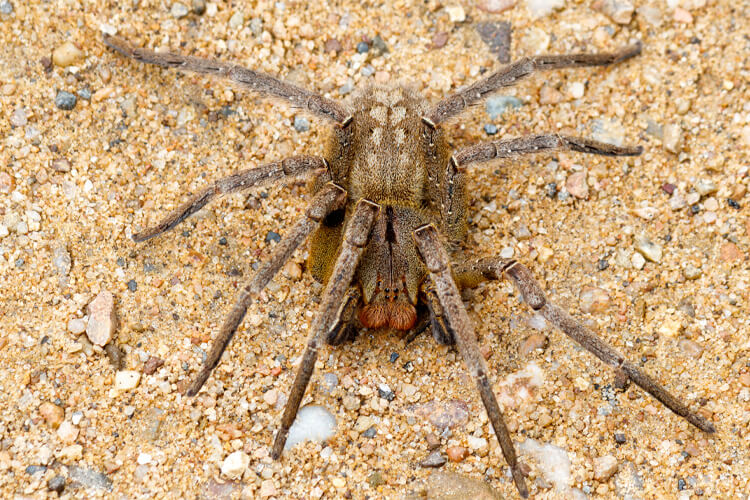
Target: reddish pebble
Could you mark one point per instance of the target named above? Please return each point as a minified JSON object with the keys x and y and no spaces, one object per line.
{"x":668,"y":188}
{"x":730,"y":252}
{"x":151,"y":365}
{"x":439,"y":40}
{"x":456,"y":453}
{"x":275,"y":371}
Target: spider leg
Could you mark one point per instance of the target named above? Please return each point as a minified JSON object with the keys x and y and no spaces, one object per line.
{"x":514,"y":72}
{"x":341,"y":329}
{"x":247,"y":78}
{"x":534,"y":296}
{"x":245,"y":179}
{"x":486,"y":151}
{"x":436,"y":260}
{"x":355,"y":239}
{"x":331,"y":197}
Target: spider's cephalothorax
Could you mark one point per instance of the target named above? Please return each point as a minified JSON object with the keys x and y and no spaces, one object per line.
{"x":388,"y":206}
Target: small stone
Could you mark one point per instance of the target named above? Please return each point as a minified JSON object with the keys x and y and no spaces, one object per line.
{"x":456,"y":13}
{"x":496,"y":6}
{"x":67,"y":432}
{"x":549,"y":95}
{"x":237,"y":20}
{"x":620,"y":438}
{"x":691,"y":272}
{"x":690,"y":349}
{"x":677,"y":201}
{"x":521,"y":232}
{"x":577,"y":186}
{"x":593,"y":300}
{"x":531,"y":343}
{"x":541,"y":8}
{"x":235,"y":465}
{"x":61,"y":260}
{"x":52,"y":414}
{"x":478,"y":445}
{"x":152,"y":364}
{"x":179,"y":10}
{"x":76,"y":326}
{"x":199,"y":7}
{"x":18,"y":118}
{"x":89,"y":478}
{"x":127,"y":379}
{"x":620,"y":11}
{"x":61,"y":165}
{"x":270,"y":397}
{"x":375,"y":479}
{"x":72,"y":452}
{"x":650,"y":250}
{"x":385,"y":392}
{"x":669,"y":327}
{"x":745,"y":379}
{"x":497,"y":105}
{"x":628,"y":484}
{"x":456,"y":453}
{"x":35,"y":469}
{"x":650,"y":14}
{"x":576,"y":90}
{"x":301,"y":124}
{"x":682,"y":16}
{"x":267,"y":489}
{"x":704,"y":188}
{"x":497,"y":37}
{"x":434,"y":459}
{"x":351,"y":403}
{"x":102,"y":319}
{"x":439,"y":39}
{"x":56,"y":484}
{"x":668,"y":188}
{"x":6,"y":183}
{"x":66,"y":55}
{"x":332,"y":45}
{"x":115,"y":355}
{"x":730,"y":252}
{"x":363,"y":47}
{"x":6,"y":8}
{"x":672,"y":138}
{"x":132,"y":285}
{"x":637,"y":261}
{"x":604,"y":467}
{"x":433,"y":441}
{"x":65,"y":100}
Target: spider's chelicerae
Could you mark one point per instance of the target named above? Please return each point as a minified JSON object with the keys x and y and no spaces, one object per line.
{"x":389,"y":205}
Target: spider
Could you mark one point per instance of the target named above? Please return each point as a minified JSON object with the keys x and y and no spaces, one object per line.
{"x":388,"y":211}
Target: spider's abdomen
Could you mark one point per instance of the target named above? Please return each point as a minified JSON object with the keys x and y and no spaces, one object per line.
{"x":388,"y":164}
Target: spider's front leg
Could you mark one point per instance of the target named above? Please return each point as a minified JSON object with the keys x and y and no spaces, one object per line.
{"x":473,"y":273}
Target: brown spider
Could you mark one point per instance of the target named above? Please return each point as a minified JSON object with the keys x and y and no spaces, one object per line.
{"x":389,"y":205}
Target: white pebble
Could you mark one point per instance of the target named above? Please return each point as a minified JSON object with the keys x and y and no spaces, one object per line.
{"x":576,"y":90}
{"x":235,"y":464}
{"x":127,"y":379}
{"x":101,"y":319}
{"x":144,"y":458}
{"x":456,"y":13}
{"x":313,"y":423}
{"x":543,"y":7}
{"x":76,"y":326}
{"x":604,"y":467}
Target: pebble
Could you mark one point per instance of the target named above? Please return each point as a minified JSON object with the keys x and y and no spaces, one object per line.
{"x":127,"y":379}
{"x":620,"y":11}
{"x":646,"y":247}
{"x":531,"y":343}
{"x":6,"y":8}
{"x":605,"y":467}
{"x":433,"y":441}
{"x":375,"y":479}
{"x":267,"y":489}
{"x":490,"y":129}
{"x":66,"y":55}
{"x":497,"y":37}
{"x":541,"y":8}
{"x":628,"y":484}
{"x":705,"y":187}
{"x":456,"y":453}
{"x":576,"y":90}
{"x":72,"y":452}
{"x":313,"y":423}
{"x":637,"y":261}
{"x":115,"y":355}
{"x":67,"y":432}
{"x":6,"y":183}
{"x":434,"y":459}
{"x":691,"y":272}
{"x":89,"y":478}
{"x":61,"y":260}
{"x":351,"y":403}
{"x":652,"y":15}
{"x":199,"y":7}
{"x":444,"y":414}
{"x":690,"y":348}
{"x":19,"y":117}
{"x":61,"y":165}
{"x":677,"y":201}
{"x":332,"y":45}
{"x":52,"y":414}
{"x":478,"y":445}
{"x":549,"y":95}
{"x":682,"y":16}
{"x":301,"y":124}
{"x":362,"y":47}
{"x":497,"y":105}
{"x":235,"y":464}
{"x":76,"y":326}
{"x":56,"y":484}
{"x":102,"y":319}
{"x":179,"y":10}
{"x":669,"y":327}
{"x":672,"y":138}
{"x":456,"y":13}
{"x":34,"y":469}
{"x":729,"y":252}
{"x":495,"y":6}
{"x":745,"y":379}
{"x":439,"y":39}
{"x":152,"y":364}
{"x":593,"y":300}
{"x":237,"y":20}
{"x":577,"y":186}
{"x":65,"y":100}
{"x":385,"y":392}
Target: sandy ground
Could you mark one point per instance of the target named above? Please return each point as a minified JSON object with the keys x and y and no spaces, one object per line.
{"x":75,"y":184}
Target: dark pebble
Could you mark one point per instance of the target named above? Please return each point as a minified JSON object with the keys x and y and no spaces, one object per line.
{"x":362,"y":47}
{"x":371,"y":432}
{"x":85,"y":94}
{"x":602,"y":264}
{"x":120,"y":262}
{"x":375,"y":479}
{"x":681,"y":484}
{"x":379,"y":45}
{"x":695,"y":208}
{"x":551,"y":190}
{"x":222,"y":241}
{"x":132,"y":285}
{"x":151,"y":365}
{"x":46,"y":63}
{"x":33,"y":469}
{"x":668,"y":188}
{"x":434,"y":459}
{"x":56,"y":484}
{"x":20,"y":262}
{"x":490,"y":129}
{"x":273,"y":236}
{"x":388,"y":395}
{"x":394,"y":357}
{"x":65,"y":100}
{"x":408,"y":366}
{"x":619,"y":438}
{"x":733,"y":204}
{"x":497,"y":37}
{"x":199,"y":7}
{"x":115,"y":355}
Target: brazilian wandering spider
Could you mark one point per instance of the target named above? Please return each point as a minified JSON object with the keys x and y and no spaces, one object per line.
{"x":389,"y":205}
